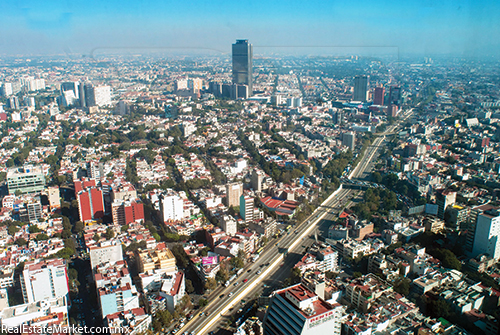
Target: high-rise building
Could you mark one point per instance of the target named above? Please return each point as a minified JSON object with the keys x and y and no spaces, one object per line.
{"x":349,"y":140}
{"x":7,"y":89}
{"x":54,"y":197}
{"x":14,"y":103}
{"x":298,"y":310}
{"x":73,"y":86}
{"x":472,"y":223}
{"x":378,"y":96}
{"x":229,"y":225}
{"x":27,"y":179}
{"x":44,"y":279}
{"x":257,"y":179}
{"x":444,"y":198}
{"x":246,"y":208}
{"x":243,"y":64}
{"x":172,"y":207}
{"x":360,"y":88}
{"x":487,"y":234}
{"x":394,"y":96}
{"x":102,"y":95}
{"x":127,"y":211}
{"x":90,"y":204}
{"x":233,"y":194}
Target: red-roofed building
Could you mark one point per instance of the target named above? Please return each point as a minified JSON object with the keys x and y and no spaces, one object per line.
{"x":298,"y":310}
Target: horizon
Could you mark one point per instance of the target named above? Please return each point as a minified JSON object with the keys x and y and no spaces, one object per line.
{"x":414,"y":28}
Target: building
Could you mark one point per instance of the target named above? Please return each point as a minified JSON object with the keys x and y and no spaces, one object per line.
{"x":72,"y":86}
{"x":243,"y":64}
{"x":363,"y":291}
{"x":132,"y":322}
{"x":43,"y":280}
{"x":102,"y":96}
{"x":360,"y":88}
{"x":486,"y":240}
{"x":378,"y":96}
{"x":53,"y":196}
{"x":298,"y":310}
{"x":90,"y":204}
{"x":349,"y":140}
{"x":394,"y":96}
{"x":95,"y":170}
{"x":49,"y":312}
{"x":172,"y":207}
{"x":233,"y":194}
{"x":32,"y":211}
{"x":444,"y":198}
{"x":127,"y":211}
{"x":103,"y":254}
{"x":246,"y":208}
{"x":115,"y":298}
{"x":471,"y":225}
{"x":27,"y":179}
{"x":229,"y":225}
{"x":149,"y":260}
{"x":256,"y":180}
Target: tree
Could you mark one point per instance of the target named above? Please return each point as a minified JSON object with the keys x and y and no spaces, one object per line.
{"x":42,"y":237}
{"x":189,"y":286}
{"x":78,"y":227}
{"x":295,"y":276}
{"x":377,"y":177}
{"x":237,"y":262}
{"x":203,"y":302}
{"x":222,"y":275}
{"x":110,"y":233}
{"x":402,"y":286}
{"x":96,"y":237}
{"x":210,"y":284}
{"x":21,"y":242}
{"x":34,"y":229}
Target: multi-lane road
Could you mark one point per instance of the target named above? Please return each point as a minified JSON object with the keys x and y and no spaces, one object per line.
{"x":272,"y":266}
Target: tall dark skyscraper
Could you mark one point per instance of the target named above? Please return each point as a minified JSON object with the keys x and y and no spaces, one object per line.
{"x":243,"y":64}
{"x":360,"y":88}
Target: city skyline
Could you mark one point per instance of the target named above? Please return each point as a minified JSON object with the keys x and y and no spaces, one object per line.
{"x":426,"y":28}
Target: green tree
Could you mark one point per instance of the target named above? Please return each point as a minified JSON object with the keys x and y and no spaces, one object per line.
{"x":202,"y":302}
{"x":21,"y":242}
{"x":110,"y":233}
{"x":96,"y":237}
{"x":78,"y":227}
{"x":222,"y":275}
{"x":189,"y":286}
{"x":402,"y":286}
{"x":210,"y":284}
{"x":237,"y":263}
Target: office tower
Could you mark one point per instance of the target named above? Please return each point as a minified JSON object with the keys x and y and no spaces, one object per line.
{"x":233,"y":194}
{"x":81,"y":95}
{"x":378,"y":96}
{"x":360,"y":88}
{"x":127,"y":211}
{"x":102,"y":95}
{"x":27,"y":179}
{"x":246,"y":208}
{"x":215,"y":88}
{"x":72,"y":86}
{"x":172,"y":207}
{"x":29,"y":101}
{"x":276,"y":100}
{"x":243,"y":64}
{"x":239,"y":92}
{"x":294,"y":102}
{"x":471,"y":224}
{"x":44,"y":279}
{"x":349,"y":140}
{"x":257,"y":179}
{"x":95,"y":170}
{"x":487,"y":234}
{"x":298,"y":310}
{"x":392,"y":110}
{"x":90,"y":204}
{"x":444,"y":198}
{"x":88,"y":95}
{"x":32,"y":212}
{"x":394,"y":96}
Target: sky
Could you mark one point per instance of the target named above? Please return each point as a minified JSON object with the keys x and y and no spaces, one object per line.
{"x":405,"y":27}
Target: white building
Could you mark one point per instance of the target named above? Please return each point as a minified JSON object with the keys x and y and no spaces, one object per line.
{"x":172,"y":207}
{"x":229,"y":225}
{"x":102,"y":254}
{"x":41,"y":313}
{"x":487,"y":234}
{"x":44,"y":280}
{"x":102,"y":95}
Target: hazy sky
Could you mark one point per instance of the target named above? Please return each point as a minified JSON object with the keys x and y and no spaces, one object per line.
{"x":425,"y":27}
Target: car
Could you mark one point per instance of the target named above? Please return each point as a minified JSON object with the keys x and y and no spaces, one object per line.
{"x":230,"y":294}
{"x":235,"y":284}
{"x":259,"y":272}
{"x":222,"y":296}
{"x":249,"y":270}
{"x":202,"y":313}
{"x":245,"y":280}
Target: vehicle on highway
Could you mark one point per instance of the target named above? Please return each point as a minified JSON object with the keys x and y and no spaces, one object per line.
{"x":245,"y":280}
{"x":259,"y":272}
{"x":235,"y":284}
{"x":230,"y":294}
{"x":221,"y":296}
{"x":249,"y":270}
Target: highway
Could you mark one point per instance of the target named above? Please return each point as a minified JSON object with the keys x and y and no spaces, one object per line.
{"x":271,"y":268}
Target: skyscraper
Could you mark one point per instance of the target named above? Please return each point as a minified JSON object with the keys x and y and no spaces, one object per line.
{"x":246,"y":208}
{"x":44,"y":279}
{"x":233,"y":194}
{"x":360,"y":88}
{"x":243,"y":64}
{"x":349,"y":140}
{"x":378,"y":96}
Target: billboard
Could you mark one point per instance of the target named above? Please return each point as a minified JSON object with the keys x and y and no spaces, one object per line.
{"x":209,"y":260}
{"x":431,"y":209}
